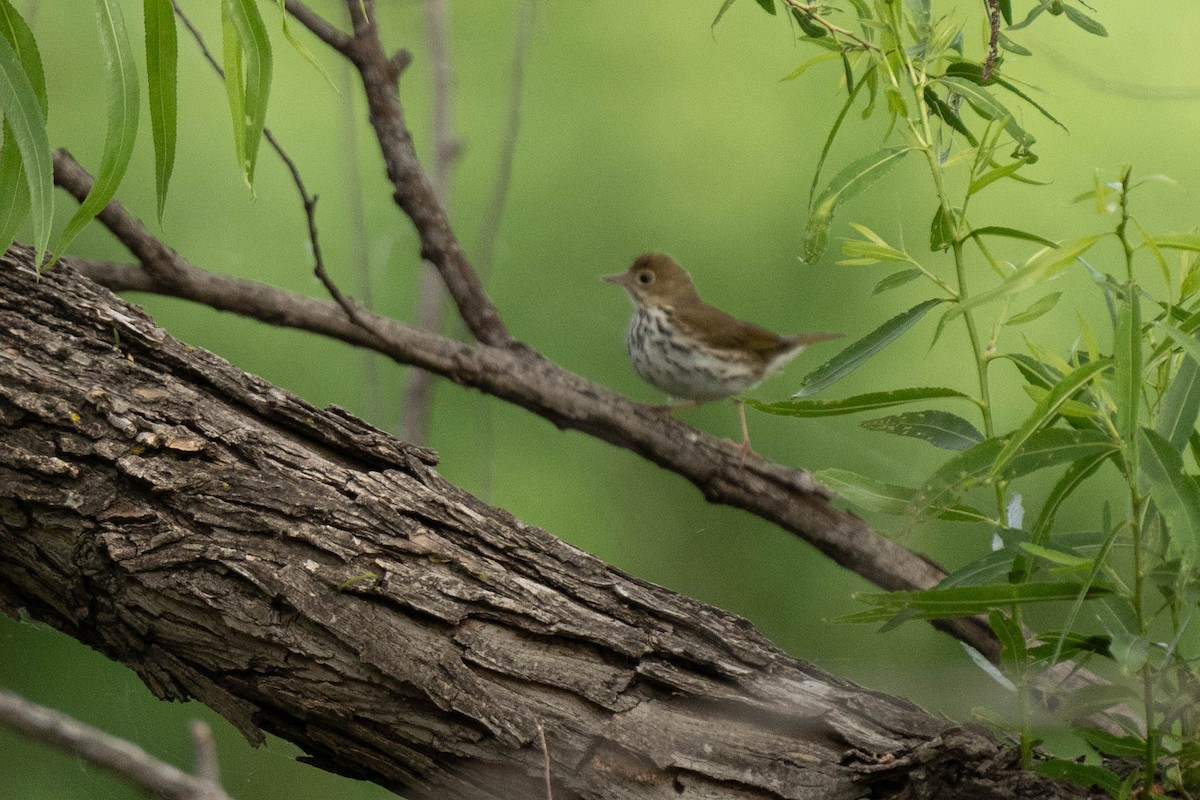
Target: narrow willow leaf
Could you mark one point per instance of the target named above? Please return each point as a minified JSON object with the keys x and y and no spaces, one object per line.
{"x":946,"y":112}
{"x":1080,"y":774}
{"x":939,"y":428}
{"x":161,"y":68}
{"x":14,"y":188}
{"x":1012,"y":233}
{"x":812,"y":62}
{"x":1012,"y":47}
{"x":857,"y":353}
{"x":895,"y":280}
{"x":1176,"y":495}
{"x":837,"y":125}
{"x":1044,"y":412}
{"x":990,"y":568}
{"x":988,"y":107}
{"x":1036,"y":310}
{"x":247,"y":53}
{"x":123,"y":106}
{"x":1012,"y":640}
{"x":844,"y":185}
{"x":963,"y":601}
{"x":23,"y":114}
{"x":720,"y":13}
{"x":990,"y":177}
{"x":989,"y":669}
{"x":1182,"y":241}
{"x":1071,"y":480}
{"x":973,"y":72}
{"x":1186,"y":342}
{"x":886,"y":498}
{"x":1042,"y":266}
{"x":1180,"y":404}
{"x":942,"y":230}
{"x":975,"y":466}
{"x":1006,"y":11}
{"x":1084,"y":21}
{"x":1127,"y":360}
{"x":768,"y":6}
{"x":871,"y":401}
{"x":304,"y":52}
{"x":811,"y":29}
{"x":1056,"y":556}
{"x":1111,"y":744}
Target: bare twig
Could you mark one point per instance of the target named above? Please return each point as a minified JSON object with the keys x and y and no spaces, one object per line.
{"x":413,"y":191}
{"x":124,"y":759}
{"x":989,"y":63}
{"x":319,"y":26}
{"x":490,"y":232}
{"x":308,"y":201}
{"x":418,"y":399}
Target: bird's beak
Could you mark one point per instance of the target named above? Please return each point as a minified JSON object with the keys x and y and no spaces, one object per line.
{"x":617,"y":278}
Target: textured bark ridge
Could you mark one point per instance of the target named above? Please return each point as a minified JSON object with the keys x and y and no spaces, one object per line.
{"x":307,"y":575}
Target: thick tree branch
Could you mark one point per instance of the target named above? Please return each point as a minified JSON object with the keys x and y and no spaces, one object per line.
{"x":302,"y":573}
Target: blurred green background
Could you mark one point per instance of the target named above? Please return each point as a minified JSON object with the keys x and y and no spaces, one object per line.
{"x":641,"y":130}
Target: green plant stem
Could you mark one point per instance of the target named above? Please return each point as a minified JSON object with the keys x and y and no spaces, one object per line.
{"x":921,"y":130}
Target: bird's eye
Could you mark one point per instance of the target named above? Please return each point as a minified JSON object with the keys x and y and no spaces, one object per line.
{"x":645,"y":277}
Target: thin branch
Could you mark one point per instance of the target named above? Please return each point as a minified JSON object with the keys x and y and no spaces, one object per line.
{"x":490,"y":232}
{"x":319,"y":26}
{"x":541,"y":729}
{"x":412,"y":189}
{"x":124,"y":759}
{"x":989,"y":63}
{"x":308,"y":201}
{"x":416,"y":407}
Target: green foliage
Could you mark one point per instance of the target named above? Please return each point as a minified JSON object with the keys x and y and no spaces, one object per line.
{"x":1121,"y":598}
{"x":26,"y":155}
{"x":122,"y":119}
{"x":161,"y":65}
{"x":247,"y":52}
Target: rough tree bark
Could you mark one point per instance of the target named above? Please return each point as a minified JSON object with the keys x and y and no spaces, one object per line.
{"x":307,"y":575}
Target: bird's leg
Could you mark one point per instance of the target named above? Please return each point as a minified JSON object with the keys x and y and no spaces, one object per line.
{"x":744,"y":449}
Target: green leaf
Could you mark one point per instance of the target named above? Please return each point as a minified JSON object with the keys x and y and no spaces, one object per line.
{"x":1036,"y":310}
{"x":1012,"y":640}
{"x":247,"y":52}
{"x":1084,"y":21}
{"x":24,"y":116}
{"x":1006,"y":11}
{"x":161,"y":67}
{"x":965,"y":601}
{"x":989,"y":108}
{"x":1111,"y":744}
{"x":1042,"y":266}
{"x":857,"y":353}
{"x":724,"y":7}
{"x":1127,"y":358}
{"x":1056,"y":556}
{"x":1176,"y":495}
{"x":1182,"y":241}
{"x":975,"y":467}
{"x":895,"y":280}
{"x":811,"y":29}
{"x":122,"y":120}
{"x":304,"y":52}
{"x":1085,"y":775}
{"x":942,"y":230}
{"x":768,"y":6}
{"x":1180,"y":404}
{"x":973,"y":72}
{"x":812,"y":62}
{"x":945,"y":112}
{"x":990,"y":177}
{"x":837,"y":122}
{"x":1071,"y":480}
{"x":844,"y":185}
{"x":886,"y":498}
{"x":1044,"y":412}
{"x":871,"y":401}
{"x":1187,"y":343}
{"x":1012,"y":233}
{"x":939,"y":428}
{"x":14,"y":188}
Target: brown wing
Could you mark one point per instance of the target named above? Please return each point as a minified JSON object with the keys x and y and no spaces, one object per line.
{"x":727,"y":332}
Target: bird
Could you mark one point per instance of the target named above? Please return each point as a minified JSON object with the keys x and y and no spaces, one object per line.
{"x":693,"y":351}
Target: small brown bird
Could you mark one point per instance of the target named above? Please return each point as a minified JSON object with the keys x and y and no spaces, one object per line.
{"x":693,"y":351}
